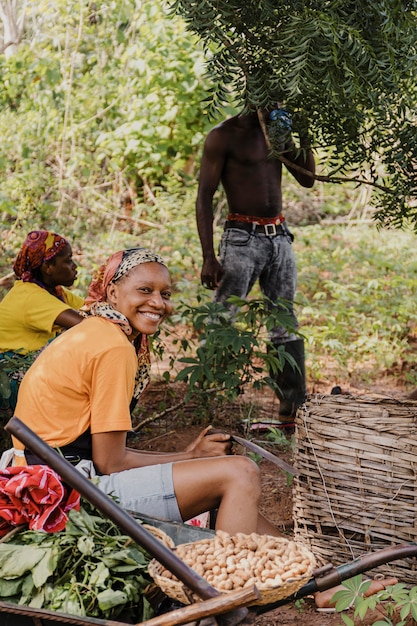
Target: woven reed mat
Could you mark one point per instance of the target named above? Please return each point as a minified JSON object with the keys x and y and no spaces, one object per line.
{"x":357,"y":488}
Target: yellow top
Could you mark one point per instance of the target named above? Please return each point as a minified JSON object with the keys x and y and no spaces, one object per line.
{"x":27,"y":316}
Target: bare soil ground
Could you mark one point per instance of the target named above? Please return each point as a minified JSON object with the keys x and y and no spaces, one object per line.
{"x":165,"y":420}
{"x":175,"y":422}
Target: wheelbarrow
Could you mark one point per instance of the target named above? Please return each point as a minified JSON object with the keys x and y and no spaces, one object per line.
{"x":230,"y":609}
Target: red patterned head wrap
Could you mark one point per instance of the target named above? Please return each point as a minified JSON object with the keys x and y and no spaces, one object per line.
{"x":38,"y":247}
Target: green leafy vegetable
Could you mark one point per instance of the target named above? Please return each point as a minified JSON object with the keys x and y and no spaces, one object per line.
{"x":89,"y":569}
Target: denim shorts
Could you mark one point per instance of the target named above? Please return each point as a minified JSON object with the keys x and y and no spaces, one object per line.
{"x":148,"y":490}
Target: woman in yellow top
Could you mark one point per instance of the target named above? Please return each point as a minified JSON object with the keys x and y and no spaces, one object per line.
{"x":77,"y":394}
{"x":39,"y":305}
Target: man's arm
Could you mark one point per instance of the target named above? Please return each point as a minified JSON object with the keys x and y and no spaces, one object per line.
{"x":211,"y":168}
{"x":303,"y":158}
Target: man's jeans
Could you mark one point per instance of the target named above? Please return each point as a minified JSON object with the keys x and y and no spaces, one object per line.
{"x":248,"y":257}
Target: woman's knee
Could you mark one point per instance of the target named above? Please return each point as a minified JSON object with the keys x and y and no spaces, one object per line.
{"x":246,"y":471}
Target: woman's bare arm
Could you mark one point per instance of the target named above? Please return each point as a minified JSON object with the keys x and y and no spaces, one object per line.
{"x":69,"y":318}
{"x":110,"y":453}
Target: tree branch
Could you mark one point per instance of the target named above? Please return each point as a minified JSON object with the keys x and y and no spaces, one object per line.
{"x":334,"y":179}
{"x":302,"y":170}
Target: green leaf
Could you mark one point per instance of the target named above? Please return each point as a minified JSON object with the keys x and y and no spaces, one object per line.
{"x":15,"y":560}
{"x":348,"y":621}
{"x":353,"y":589}
{"x":109,"y":598}
{"x":10,"y":587}
{"x":35,"y":600}
{"x":80,"y":522}
{"x":73,"y":606}
{"x":86,"y":545}
{"x":343,"y":599}
{"x":45,"y":566}
{"x":99,"y":575}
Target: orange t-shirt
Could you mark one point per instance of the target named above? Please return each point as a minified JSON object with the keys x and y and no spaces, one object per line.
{"x":83,"y":379}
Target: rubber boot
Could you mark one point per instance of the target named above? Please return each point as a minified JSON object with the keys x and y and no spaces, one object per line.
{"x":291,"y":381}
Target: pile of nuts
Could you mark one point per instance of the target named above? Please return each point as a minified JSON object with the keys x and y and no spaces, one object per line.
{"x":231,"y":562}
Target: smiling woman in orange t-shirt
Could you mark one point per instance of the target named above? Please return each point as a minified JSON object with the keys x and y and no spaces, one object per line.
{"x":77,"y":397}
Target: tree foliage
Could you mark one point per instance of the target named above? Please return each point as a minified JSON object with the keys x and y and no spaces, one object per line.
{"x":100,"y":106}
{"x":345,"y":71}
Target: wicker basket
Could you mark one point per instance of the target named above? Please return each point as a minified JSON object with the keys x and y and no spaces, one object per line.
{"x":269,"y":592}
{"x":356,"y":492}
{"x":161,"y":535}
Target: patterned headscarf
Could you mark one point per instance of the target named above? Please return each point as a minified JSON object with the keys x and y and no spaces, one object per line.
{"x":117,"y":266}
{"x":38,"y":247}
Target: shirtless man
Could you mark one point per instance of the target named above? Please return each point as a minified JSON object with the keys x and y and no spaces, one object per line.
{"x":256,"y":243}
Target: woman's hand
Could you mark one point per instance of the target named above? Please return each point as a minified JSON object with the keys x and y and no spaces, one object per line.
{"x":206,"y":444}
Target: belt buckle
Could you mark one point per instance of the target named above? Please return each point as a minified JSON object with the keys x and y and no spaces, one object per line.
{"x":270,"y":230}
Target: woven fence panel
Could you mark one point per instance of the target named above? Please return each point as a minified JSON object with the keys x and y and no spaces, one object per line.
{"x":357,"y":487}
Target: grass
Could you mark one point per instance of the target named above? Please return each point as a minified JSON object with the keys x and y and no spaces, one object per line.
{"x":356,"y":287}
{"x":357,"y":292}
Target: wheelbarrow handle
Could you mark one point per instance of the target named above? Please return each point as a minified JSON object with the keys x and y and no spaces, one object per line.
{"x":111,"y":509}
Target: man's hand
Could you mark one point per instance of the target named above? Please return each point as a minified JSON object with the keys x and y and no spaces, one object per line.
{"x":211,"y":273}
{"x":206,"y":444}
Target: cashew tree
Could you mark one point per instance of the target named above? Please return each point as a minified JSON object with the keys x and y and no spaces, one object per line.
{"x":344,"y":70}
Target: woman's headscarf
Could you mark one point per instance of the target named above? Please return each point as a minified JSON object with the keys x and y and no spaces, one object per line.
{"x":117,"y":266}
{"x":38,"y":247}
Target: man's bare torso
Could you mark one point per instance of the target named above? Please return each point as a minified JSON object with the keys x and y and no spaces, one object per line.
{"x":250,"y":177}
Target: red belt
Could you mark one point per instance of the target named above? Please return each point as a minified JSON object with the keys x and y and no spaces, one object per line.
{"x":252,"y":219}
